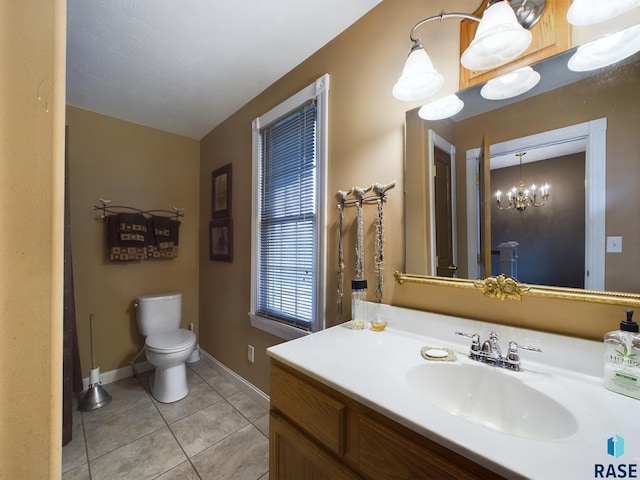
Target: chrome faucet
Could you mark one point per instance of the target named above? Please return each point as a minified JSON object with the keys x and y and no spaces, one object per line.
{"x":491,"y":353}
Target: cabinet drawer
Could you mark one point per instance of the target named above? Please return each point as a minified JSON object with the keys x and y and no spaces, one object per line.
{"x":319,"y":414}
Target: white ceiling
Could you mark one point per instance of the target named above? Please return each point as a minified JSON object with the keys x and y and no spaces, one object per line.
{"x":184,"y":66}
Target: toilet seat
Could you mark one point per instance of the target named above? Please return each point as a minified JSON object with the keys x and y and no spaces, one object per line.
{"x":169,"y":342}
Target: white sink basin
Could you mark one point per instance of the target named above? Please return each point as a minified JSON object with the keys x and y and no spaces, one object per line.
{"x":494,"y":398}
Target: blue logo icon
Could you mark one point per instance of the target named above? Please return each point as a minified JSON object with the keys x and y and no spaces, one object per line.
{"x":615,"y":446}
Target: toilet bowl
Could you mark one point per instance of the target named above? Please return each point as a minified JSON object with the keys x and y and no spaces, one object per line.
{"x":166,"y":345}
{"x":168,"y":352}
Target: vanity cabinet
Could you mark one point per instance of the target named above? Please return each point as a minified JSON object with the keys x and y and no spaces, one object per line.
{"x":319,"y":433}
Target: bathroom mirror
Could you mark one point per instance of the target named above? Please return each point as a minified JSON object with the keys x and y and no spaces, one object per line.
{"x":593,"y":119}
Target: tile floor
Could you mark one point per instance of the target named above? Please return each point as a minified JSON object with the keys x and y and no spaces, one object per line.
{"x":216,"y":432}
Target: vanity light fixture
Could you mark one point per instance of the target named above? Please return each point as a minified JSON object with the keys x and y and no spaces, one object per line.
{"x":519,"y":198}
{"x":589,"y":12}
{"x":443,"y":108}
{"x":501,"y":37}
{"x":419,"y":79}
{"x":606,"y":50}
{"x":510,"y":84}
{"x":498,"y":40}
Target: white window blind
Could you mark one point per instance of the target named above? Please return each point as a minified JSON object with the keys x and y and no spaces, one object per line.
{"x":287,"y":219}
{"x":288,"y":248}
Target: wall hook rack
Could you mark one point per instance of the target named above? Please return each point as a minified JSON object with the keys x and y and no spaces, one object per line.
{"x":359,"y":194}
{"x":105,"y":208}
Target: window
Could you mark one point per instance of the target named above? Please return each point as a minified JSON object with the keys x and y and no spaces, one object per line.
{"x":288,"y":230}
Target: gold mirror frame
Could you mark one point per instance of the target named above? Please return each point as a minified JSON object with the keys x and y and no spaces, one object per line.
{"x":502,"y":288}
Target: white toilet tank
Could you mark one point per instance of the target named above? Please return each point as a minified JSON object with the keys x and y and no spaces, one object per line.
{"x":159,"y":313}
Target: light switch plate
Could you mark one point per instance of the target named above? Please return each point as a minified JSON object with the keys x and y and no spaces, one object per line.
{"x":614,"y":244}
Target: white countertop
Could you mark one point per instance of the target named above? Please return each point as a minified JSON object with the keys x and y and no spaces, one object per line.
{"x":372,"y":367}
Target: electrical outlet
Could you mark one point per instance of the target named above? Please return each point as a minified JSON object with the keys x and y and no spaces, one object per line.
{"x":614,"y":244}
{"x":250,"y":356}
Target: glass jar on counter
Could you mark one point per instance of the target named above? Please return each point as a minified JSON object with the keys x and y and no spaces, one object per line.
{"x":358,"y":304}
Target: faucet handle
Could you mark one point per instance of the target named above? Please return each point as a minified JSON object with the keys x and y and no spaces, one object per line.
{"x":475,"y":343}
{"x":512,"y":360}
{"x":474,"y":336}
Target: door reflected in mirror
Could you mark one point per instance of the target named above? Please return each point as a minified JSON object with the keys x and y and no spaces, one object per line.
{"x":594,"y":187}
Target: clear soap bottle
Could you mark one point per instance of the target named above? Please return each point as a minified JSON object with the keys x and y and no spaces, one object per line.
{"x":358,"y":305}
{"x":622,"y":358}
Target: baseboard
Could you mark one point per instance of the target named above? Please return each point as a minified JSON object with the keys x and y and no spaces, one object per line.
{"x":251,"y":390}
{"x":119,"y":374}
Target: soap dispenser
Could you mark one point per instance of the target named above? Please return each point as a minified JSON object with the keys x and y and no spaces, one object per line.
{"x":622,"y":358}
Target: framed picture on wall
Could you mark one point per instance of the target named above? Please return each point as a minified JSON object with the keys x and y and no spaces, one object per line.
{"x":221,"y":240}
{"x":221,"y":192}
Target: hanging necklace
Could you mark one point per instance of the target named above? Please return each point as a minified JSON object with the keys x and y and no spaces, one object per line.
{"x":379,"y":247}
{"x":360,"y":192}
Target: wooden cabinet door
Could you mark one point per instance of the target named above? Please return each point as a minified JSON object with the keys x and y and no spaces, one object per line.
{"x":385,"y":454}
{"x":293,"y":456}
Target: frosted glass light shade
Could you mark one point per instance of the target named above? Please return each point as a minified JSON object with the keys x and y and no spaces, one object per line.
{"x":588,"y":12}
{"x":442,"y":108}
{"x":606,"y":50}
{"x":498,"y":40}
{"x":510,"y":84}
{"x":419,"y":79}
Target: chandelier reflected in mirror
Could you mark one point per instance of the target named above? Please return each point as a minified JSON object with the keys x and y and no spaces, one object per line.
{"x":519,"y":198}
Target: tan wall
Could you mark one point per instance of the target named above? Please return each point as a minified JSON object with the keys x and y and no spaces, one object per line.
{"x":366,"y":132}
{"x":32,"y":57}
{"x":365,"y":145}
{"x":140,"y":167}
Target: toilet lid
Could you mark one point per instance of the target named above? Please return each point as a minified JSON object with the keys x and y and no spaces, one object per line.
{"x":171,"y":341}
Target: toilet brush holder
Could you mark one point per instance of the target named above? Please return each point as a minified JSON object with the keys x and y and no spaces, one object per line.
{"x":96,"y":396}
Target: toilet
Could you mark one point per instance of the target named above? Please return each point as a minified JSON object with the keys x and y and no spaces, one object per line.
{"x":166,"y":345}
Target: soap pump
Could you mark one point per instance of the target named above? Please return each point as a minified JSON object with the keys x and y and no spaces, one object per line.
{"x":622,"y":358}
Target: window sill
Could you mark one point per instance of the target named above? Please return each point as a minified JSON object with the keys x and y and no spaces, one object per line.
{"x":278,"y":329}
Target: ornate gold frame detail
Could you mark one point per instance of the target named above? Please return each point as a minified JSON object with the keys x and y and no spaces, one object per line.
{"x":502,"y":287}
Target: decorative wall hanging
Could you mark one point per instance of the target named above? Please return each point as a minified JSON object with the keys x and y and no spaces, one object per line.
{"x":221,"y":240}
{"x":221,"y":192}
{"x":134,"y":234}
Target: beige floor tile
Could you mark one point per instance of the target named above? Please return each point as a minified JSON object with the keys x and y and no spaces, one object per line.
{"x":129,"y":438}
{"x":262,"y":424}
{"x":145,"y":458}
{"x":105,"y":434}
{"x":208,"y":372}
{"x":184,"y":471}
{"x":200,"y":396}
{"x":78,"y":473}
{"x":207,"y":427}
{"x":75,"y":452}
{"x":241,"y":456}
{"x":246,"y":406}
{"x":125,"y":394}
